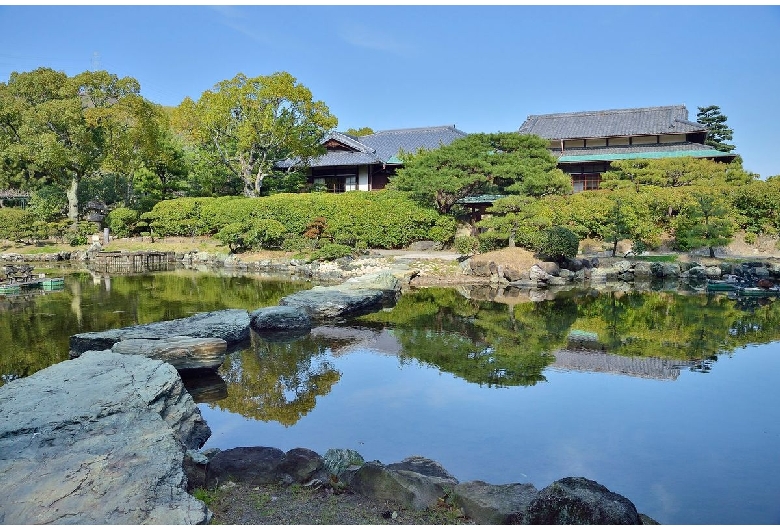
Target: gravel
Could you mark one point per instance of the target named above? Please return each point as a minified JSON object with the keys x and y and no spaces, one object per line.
{"x":235,"y":503}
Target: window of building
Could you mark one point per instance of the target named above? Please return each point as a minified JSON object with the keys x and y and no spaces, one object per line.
{"x":586,"y":181}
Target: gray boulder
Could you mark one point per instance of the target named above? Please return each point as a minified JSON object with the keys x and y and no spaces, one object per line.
{"x":339,"y":460}
{"x":184,"y":353}
{"x":99,"y":440}
{"x":550,"y":267}
{"x":327,"y":303}
{"x":537,"y":274}
{"x":493,"y":504}
{"x":415,"y":483}
{"x":230,"y":325}
{"x":578,"y":501}
{"x":277,"y":319}
{"x":264,"y":465}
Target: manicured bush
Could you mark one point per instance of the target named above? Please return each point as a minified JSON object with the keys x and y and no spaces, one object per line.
{"x":372,"y":220}
{"x":466,"y":244}
{"x":121,"y":222}
{"x":16,"y":224}
{"x":558,"y":243}
{"x":332,"y":251}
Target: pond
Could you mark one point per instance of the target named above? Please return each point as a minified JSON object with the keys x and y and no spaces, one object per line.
{"x":669,"y":399}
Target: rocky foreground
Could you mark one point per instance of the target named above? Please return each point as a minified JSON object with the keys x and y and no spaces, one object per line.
{"x":111,"y":436}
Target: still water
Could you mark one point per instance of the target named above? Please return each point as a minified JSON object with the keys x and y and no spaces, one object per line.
{"x":668,"y":399}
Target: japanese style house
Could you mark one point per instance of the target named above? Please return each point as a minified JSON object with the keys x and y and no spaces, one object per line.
{"x":367,"y":162}
{"x":585,"y":143}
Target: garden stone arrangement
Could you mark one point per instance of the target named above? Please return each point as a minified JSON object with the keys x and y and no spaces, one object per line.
{"x":111,"y":436}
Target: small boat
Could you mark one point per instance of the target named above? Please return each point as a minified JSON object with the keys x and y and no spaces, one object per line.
{"x":757,"y":292}
{"x":721,"y":285}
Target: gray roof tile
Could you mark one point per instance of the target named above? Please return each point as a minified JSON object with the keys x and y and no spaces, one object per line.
{"x":382,"y":146}
{"x":607,"y":123}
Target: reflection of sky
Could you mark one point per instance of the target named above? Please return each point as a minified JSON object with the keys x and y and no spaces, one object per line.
{"x":704,"y":449}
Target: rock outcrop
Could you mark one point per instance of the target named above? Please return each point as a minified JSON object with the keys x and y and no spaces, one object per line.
{"x":419,"y":483}
{"x":356,"y":296}
{"x":230,"y":325}
{"x":98,"y":440}
{"x":183,"y":353}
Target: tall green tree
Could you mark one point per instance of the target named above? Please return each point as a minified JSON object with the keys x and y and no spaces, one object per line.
{"x":56,"y":129}
{"x":674,"y":172}
{"x":480,"y":163}
{"x":719,"y":132}
{"x":704,"y":222}
{"x":251,"y":123}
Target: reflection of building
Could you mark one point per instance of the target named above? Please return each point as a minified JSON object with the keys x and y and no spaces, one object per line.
{"x":596,"y":361}
{"x":585,"y":143}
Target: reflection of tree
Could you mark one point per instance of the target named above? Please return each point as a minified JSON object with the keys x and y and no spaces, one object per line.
{"x":277,"y":381}
{"x":36,"y":334}
{"x":482,"y":342}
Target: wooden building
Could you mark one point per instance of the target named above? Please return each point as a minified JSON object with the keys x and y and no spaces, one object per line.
{"x":366,"y":163}
{"x":585,"y":143}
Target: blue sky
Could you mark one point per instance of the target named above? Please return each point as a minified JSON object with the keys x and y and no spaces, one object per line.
{"x":481,"y":68}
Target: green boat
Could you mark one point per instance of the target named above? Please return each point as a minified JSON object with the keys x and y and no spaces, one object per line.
{"x":721,"y":285}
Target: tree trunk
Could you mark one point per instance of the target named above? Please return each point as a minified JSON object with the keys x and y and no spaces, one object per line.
{"x":73,"y":200}
{"x":712,"y":252}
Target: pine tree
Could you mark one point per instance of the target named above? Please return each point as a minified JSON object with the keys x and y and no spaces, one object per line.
{"x":719,"y":132}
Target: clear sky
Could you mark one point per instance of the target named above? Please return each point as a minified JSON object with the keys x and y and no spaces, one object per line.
{"x":481,"y":68}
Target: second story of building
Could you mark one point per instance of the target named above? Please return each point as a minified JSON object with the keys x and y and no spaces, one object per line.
{"x":585,"y":143}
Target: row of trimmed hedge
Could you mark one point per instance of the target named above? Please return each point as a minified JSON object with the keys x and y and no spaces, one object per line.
{"x":382,"y":219}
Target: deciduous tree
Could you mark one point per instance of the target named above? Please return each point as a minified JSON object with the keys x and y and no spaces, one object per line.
{"x":251,"y":123}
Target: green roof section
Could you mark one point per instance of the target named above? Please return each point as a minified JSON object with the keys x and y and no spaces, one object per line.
{"x":606,"y":157}
{"x":394,"y":160}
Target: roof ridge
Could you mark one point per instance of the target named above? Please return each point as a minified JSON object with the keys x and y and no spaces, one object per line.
{"x":409,"y":129}
{"x":607,"y":111}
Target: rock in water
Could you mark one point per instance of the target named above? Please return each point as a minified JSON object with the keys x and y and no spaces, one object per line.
{"x":98,"y":440}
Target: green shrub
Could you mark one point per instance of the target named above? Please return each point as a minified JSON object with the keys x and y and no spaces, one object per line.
{"x":252,"y":234}
{"x":332,"y":251}
{"x":16,"y":224}
{"x":466,"y":244}
{"x":558,"y":243}
{"x":82,"y":233}
{"x":489,"y":241}
{"x":122,"y":222}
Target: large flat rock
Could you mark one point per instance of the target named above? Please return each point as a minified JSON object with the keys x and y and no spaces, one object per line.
{"x":98,"y":440}
{"x":230,"y":325}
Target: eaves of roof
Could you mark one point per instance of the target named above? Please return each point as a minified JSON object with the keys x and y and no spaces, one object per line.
{"x":608,"y":157}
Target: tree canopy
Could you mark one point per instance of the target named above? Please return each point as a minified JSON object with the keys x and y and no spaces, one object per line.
{"x":719,"y":132}
{"x":480,"y":163}
{"x":251,"y":123}
{"x":363,"y":131}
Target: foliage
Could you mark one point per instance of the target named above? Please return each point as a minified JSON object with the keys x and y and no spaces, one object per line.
{"x":250,"y":124}
{"x":121,"y":222}
{"x":466,"y":244}
{"x":48,"y":203}
{"x":757,"y":206}
{"x":718,"y":131}
{"x":362,"y":131}
{"x":332,"y":251}
{"x":558,"y":243}
{"x":252,"y":234}
{"x":375,"y":220}
{"x":59,"y":129}
{"x":704,"y":222}
{"x":674,"y":172}
{"x":480,"y":163}
{"x":16,"y":224}
{"x":81,"y":233}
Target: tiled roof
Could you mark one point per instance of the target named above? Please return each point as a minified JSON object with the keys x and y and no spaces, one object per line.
{"x":608,"y":123}
{"x":383,"y":146}
{"x":639,"y":151}
{"x":390,"y":143}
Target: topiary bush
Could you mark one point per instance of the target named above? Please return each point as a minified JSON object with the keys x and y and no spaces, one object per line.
{"x":122,"y":221}
{"x":558,"y":243}
{"x":332,"y":251}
